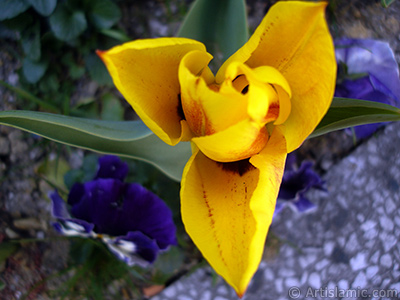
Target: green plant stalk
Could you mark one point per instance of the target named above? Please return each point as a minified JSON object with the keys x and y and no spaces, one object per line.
{"x":386,"y":3}
{"x":28,"y":96}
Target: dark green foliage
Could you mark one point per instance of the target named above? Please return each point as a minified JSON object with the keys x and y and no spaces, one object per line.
{"x":94,"y":269}
{"x":6,"y":250}
{"x":225,"y":30}
{"x":11,"y":8}
{"x":43,"y":7}
{"x":104,"y":14}
{"x":58,"y":40}
{"x":86,"y":173}
{"x":67,"y":24}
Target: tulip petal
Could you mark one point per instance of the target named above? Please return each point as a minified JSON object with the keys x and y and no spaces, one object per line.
{"x":228,"y":208}
{"x":235,"y":143}
{"x":228,"y":122}
{"x":146,"y":73}
{"x":208,"y":108}
{"x":294,"y":39}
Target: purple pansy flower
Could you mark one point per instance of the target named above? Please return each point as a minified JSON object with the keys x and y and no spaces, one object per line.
{"x":295,"y":183}
{"x":367,"y":69}
{"x":134,"y":223}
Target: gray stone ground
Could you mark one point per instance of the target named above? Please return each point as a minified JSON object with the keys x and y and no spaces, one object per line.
{"x":347,"y":249}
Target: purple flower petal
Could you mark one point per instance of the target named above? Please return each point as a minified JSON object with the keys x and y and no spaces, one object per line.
{"x":381,"y":82}
{"x":358,"y":88}
{"x":295,"y":183}
{"x":373,"y":57}
{"x":74,"y":227}
{"x":299,"y":181}
{"x":366,"y":88}
{"x":116,"y":208}
{"x":76,"y":193}
{"x":147,"y":213}
{"x":111,"y":166}
{"x":291,"y":161}
{"x":59,"y":209}
{"x":98,"y":203}
{"x":134,"y":248}
{"x":278,"y":208}
{"x":303,"y":204}
{"x":66,"y":224}
{"x":365,"y":131}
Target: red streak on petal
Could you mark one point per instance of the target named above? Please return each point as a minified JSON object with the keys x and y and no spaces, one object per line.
{"x":212,"y":221}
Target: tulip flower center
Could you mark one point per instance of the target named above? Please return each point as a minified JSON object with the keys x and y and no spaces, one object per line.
{"x":230,"y":120}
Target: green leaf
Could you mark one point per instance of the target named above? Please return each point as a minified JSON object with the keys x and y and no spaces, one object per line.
{"x":97,"y":69}
{"x":112,"y":109}
{"x":50,"y":83}
{"x":167,"y":264}
{"x":34,"y":70}
{"x":73,"y":176}
{"x":30,"y":97}
{"x":220,"y":25}
{"x":53,"y":170}
{"x":12,"y":8}
{"x":2,"y":285}
{"x":76,"y":71}
{"x":20,"y":22}
{"x":345,"y":113}
{"x":386,"y":3}
{"x":30,"y":40}
{"x":43,"y":7}
{"x":67,"y":24}
{"x":116,"y":34}
{"x":84,"y":174}
{"x":104,"y":14}
{"x":7,"y":249}
{"x":125,"y":138}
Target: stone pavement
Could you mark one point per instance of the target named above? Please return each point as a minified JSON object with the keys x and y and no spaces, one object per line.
{"x":347,"y":249}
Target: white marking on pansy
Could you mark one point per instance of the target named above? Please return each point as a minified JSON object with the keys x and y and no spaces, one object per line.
{"x":72,"y":232}
{"x":127,"y":246}
{"x":125,"y":253}
{"x":75,"y":226}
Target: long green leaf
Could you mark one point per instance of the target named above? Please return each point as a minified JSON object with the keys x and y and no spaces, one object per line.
{"x":28,"y":96}
{"x":221,"y":25}
{"x":345,"y":113}
{"x":125,"y":138}
{"x":386,"y":3}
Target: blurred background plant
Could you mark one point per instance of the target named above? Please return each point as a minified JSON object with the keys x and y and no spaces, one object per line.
{"x":54,"y":42}
{"x":57,"y":40}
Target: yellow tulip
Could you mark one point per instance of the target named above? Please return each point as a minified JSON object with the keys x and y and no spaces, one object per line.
{"x":262,"y":104}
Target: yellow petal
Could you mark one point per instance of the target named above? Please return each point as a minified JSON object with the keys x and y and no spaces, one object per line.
{"x":281,"y":87}
{"x":207,"y":107}
{"x":230,"y":124}
{"x":228,"y":208}
{"x":146,"y":73}
{"x":294,"y":39}
{"x":238,"y":142}
{"x":267,"y":88}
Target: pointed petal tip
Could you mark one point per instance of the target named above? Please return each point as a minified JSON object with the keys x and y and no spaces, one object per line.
{"x":241,"y":289}
{"x":240,"y":294}
{"x":100,"y":53}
